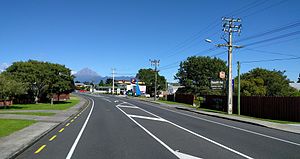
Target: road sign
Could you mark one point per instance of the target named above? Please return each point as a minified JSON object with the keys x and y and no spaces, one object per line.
{"x":216,"y":84}
{"x":222,"y":74}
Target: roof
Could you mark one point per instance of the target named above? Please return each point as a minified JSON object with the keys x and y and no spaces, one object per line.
{"x":295,"y":85}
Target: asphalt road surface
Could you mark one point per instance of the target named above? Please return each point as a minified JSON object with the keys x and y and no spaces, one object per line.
{"x":115,"y":127}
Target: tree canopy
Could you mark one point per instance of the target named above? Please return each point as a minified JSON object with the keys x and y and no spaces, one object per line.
{"x":196,"y":72}
{"x":10,"y":88}
{"x":148,"y":76}
{"x":263,"y":82}
{"x":41,"y":78}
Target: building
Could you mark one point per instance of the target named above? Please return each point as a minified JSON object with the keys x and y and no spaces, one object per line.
{"x":295,"y":85}
{"x":122,"y":86}
{"x":173,"y":89}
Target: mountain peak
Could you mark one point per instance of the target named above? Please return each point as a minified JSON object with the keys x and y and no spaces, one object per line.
{"x":86,"y":72}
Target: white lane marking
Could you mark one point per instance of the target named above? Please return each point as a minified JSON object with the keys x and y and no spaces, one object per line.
{"x":128,"y":106}
{"x":233,"y":127}
{"x":116,"y":101}
{"x":146,"y":117}
{"x":185,"y":156}
{"x":203,"y":137}
{"x":80,"y":133}
{"x":127,"y":103}
{"x":107,"y":100}
{"x":148,"y":132}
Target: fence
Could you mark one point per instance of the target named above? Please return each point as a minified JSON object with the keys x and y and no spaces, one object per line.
{"x":277,"y":108}
{"x":4,"y":103}
{"x":182,"y":98}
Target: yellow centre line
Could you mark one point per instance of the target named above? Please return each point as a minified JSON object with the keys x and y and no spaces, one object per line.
{"x":61,"y":130}
{"x":72,"y":120}
{"x":75,"y":117}
{"x":40,"y":149}
{"x":52,"y":138}
{"x":68,"y":124}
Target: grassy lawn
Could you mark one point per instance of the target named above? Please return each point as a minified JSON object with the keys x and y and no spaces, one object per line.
{"x":8,"y":126}
{"x":29,"y":113}
{"x":45,"y":106}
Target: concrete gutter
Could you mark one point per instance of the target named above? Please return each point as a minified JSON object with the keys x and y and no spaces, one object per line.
{"x":17,"y":142}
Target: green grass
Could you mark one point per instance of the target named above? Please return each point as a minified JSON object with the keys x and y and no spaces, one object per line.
{"x":29,"y":113}
{"x":8,"y":126}
{"x":46,"y":106}
{"x":175,"y":103}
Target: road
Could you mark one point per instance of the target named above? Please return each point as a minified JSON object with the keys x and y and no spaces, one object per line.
{"x":114,"y":127}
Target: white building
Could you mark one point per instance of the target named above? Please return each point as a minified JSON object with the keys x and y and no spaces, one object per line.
{"x":295,"y":85}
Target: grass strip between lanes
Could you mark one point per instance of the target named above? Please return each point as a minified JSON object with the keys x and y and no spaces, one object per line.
{"x":8,"y":126}
{"x":29,"y":113}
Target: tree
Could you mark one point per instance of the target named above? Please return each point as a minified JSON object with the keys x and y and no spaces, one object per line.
{"x":41,"y":78}
{"x":101,"y":83}
{"x":109,"y":81}
{"x":10,"y":88}
{"x":298,"y":79}
{"x":148,"y":76}
{"x":196,"y":73}
{"x":263,"y":82}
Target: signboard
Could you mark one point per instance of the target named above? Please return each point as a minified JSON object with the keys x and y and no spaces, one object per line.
{"x":222,"y":74}
{"x":133,"y":80}
{"x":216,"y":84}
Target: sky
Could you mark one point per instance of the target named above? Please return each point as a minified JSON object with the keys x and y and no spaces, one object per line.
{"x":125,"y":34}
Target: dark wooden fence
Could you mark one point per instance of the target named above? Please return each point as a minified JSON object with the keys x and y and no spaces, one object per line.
{"x":182,"y":98}
{"x":277,"y":108}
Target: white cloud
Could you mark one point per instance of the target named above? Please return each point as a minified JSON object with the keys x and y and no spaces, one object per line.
{"x":3,"y":66}
{"x":73,"y":72}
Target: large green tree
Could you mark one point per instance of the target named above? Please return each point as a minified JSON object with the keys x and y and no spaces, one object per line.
{"x":10,"y":88}
{"x":148,"y":76}
{"x":42,"y":78}
{"x":263,"y":82}
{"x":196,"y":72}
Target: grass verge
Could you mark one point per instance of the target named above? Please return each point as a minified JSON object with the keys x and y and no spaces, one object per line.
{"x":29,"y":113}
{"x":46,"y":106}
{"x":8,"y":126}
{"x":221,"y":112}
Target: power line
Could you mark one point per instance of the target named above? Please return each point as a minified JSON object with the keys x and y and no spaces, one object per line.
{"x":264,"y":9}
{"x":274,"y":38}
{"x":278,"y":29}
{"x":278,"y":59}
{"x":183,"y":45}
{"x":269,"y":52}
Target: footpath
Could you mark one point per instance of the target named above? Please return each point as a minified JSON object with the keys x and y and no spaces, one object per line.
{"x":16,"y":142}
{"x":294,"y":128}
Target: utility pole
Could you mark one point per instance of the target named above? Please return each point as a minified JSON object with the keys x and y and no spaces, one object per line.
{"x":229,"y":27}
{"x":155,"y":63}
{"x":113,"y":80}
{"x":239,"y":88}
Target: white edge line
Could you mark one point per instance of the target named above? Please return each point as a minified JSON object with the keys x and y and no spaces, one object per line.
{"x":146,"y":117}
{"x":233,"y":127}
{"x":80,"y":133}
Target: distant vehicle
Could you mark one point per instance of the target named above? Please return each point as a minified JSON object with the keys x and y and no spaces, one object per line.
{"x":146,"y":95}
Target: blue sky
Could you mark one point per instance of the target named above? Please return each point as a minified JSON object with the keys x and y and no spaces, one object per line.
{"x":125,"y":34}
